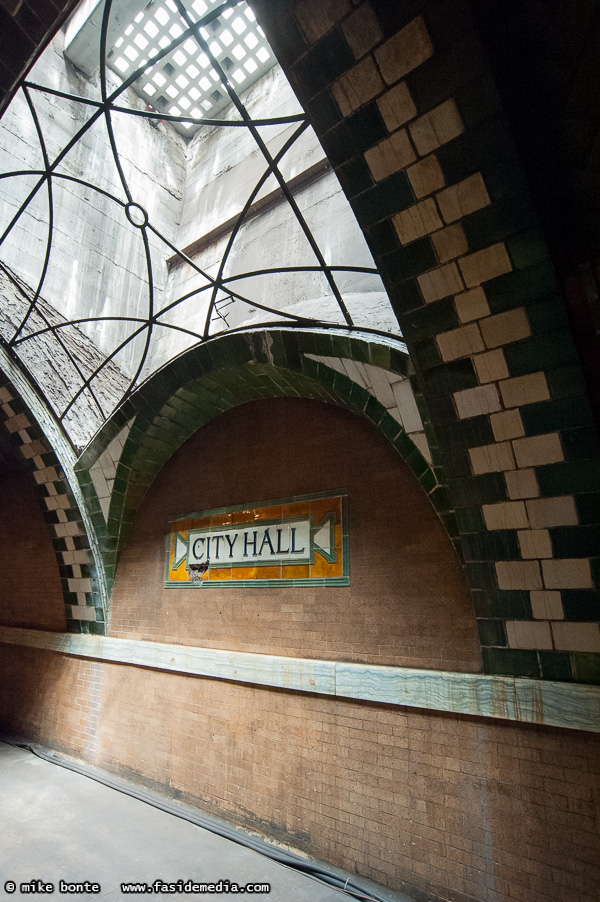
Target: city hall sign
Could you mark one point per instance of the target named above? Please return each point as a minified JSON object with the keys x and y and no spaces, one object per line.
{"x":297,"y":541}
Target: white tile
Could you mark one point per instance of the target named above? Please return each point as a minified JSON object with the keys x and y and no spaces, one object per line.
{"x":576,"y":636}
{"x":528,"y":634}
{"x":505,"y":515}
{"x":407,"y":405}
{"x":473,"y":402}
{"x":567,"y":573}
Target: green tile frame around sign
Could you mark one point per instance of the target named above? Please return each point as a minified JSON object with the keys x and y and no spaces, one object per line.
{"x":343,"y":580}
{"x":222,"y":374}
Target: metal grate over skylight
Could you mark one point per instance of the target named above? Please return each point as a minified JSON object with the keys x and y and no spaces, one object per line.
{"x":185,"y":82}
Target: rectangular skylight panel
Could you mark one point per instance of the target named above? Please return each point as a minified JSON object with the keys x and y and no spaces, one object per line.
{"x":171,"y":6}
{"x":180,"y":58}
{"x":215,"y":48}
{"x":238,"y":25}
{"x":192,"y":71}
{"x":164,"y":42}
{"x":150,"y":28}
{"x":199,"y":7}
{"x":175,"y":31}
{"x":172,"y":91}
{"x":203,"y":61}
{"x":226,"y":38}
{"x":194,"y":93}
{"x":174,"y":111}
{"x":161,"y":15}
{"x":239,"y":76}
{"x":139,"y":17}
{"x":118,"y":43}
{"x":184,"y":103}
{"x":249,"y":14}
{"x":159,"y":79}
{"x":196,"y":113}
{"x":131,"y":53}
{"x":190,"y":47}
{"x":140,"y":41}
{"x":239,"y":52}
{"x":121,"y":64}
{"x":182,"y":81}
{"x":205,"y":84}
{"x":263,"y":54}
{"x":251,"y":40}
{"x":250,"y":66}
{"x":128,"y":30}
{"x":149,"y":88}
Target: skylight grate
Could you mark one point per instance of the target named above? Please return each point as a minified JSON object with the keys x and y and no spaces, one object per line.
{"x":185,"y":81}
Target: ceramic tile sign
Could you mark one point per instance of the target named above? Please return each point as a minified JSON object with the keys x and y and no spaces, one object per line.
{"x":301,"y":541}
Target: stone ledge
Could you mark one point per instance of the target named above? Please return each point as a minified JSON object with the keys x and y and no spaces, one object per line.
{"x":554,"y":704}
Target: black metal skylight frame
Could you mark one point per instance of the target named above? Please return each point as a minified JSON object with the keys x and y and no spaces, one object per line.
{"x":221,"y":287}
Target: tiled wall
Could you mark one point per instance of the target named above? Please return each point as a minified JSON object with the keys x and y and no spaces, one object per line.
{"x":213,"y":378}
{"x":30,"y":586}
{"x":405,"y":105}
{"x":445,"y":807}
{"x":407,"y":603}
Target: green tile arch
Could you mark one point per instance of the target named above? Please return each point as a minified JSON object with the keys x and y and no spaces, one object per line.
{"x":212,"y":378}
{"x":85,"y":588}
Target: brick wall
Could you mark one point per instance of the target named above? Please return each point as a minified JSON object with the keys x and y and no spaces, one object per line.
{"x":442,"y":806}
{"x":407,"y":603}
{"x":30,"y":588}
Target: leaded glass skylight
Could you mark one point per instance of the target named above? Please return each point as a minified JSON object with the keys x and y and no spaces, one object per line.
{"x":129,"y":233}
{"x":186,"y":82}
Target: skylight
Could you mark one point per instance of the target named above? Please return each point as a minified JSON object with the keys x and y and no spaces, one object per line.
{"x":192,"y":79}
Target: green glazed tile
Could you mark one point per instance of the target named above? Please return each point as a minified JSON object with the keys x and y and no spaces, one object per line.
{"x":570,"y":477}
{"x":553,"y":416}
{"x":482,"y":575}
{"x":470,"y":519}
{"x":565,"y":381}
{"x":487,"y":488}
{"x":581,"y":444}
{"x":586,"y":667}
{"x":502,"y":603}
{"x":496,"y":545}
{"x":556,"y":665}
{"x":527,"y":248}
{"x":581,"y":604}
{"x":540,"y":353}
{"x":588,"y":507}
{"x":514,"y":289}
{"x":511,"y":662}
{"x":492,"y":632}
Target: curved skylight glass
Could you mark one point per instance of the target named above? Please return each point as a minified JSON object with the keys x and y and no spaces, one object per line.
{"x":173,"y":194}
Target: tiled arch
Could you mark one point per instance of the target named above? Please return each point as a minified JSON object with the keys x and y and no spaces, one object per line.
{"x":219,"y":375}
{"x":81,"y":582}
{"x":404,"y":102}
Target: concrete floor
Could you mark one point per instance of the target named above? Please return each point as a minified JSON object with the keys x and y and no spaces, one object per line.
{"x":58,"y":825}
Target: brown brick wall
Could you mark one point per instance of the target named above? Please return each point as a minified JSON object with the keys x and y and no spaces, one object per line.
{"x":407,"y":603}
{"x":455,"y":807}
{"x":49,"y":698}
{"x":30,"y":588}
